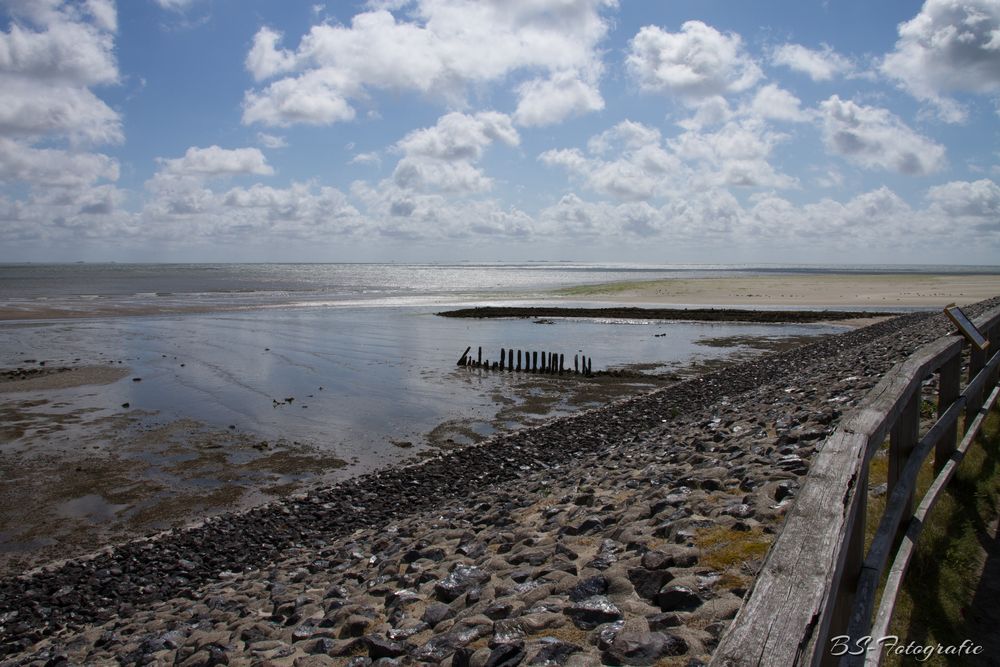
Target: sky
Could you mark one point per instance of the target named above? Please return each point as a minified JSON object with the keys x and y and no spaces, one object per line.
{"x":680,"y":131}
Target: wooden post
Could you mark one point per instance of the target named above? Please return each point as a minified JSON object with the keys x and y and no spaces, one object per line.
{"x":461,"y":360}
{"x":479,"y":357}
{"x":949,"y":379}
{"x":853,"y":560}
{"x":534,"y":361}
{"x":518,"y":360}
{"x":902,"y":439}
{"x":576,"y":364}
{"x":977,"y":359}
{"x":503,"y":357}
{"x":561,"y":360}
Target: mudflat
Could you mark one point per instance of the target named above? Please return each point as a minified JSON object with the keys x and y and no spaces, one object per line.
{"x":861,"y":290}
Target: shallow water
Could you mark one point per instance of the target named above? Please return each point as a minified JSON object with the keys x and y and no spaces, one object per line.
{"x":358,"y":377}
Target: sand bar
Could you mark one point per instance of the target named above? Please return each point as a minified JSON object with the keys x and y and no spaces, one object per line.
{"x":873,"y":291}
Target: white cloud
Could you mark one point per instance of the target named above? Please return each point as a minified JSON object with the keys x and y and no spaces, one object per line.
{"x":949,"y":46}
{"x":371,"y":158}
{"x":821,"y":65}
{"x":640,"y":167}
{"x":549,"y":101}
{"x":977,"y":199}
{"x":441,"y":48}
{"x":271,"y":141}
{"x":51,"y":53}
{"x":696,"y":63}
{"x":318,"y":97}
{"x":66,"y":51}
{"x":735,"y":154}
{"x":442,"y":157}
{"x":264,"y":59}
{"x":216,"y":161}
{"x":50,"y":167}
{"x":39,"y":110}
{"x":777,"y":103}
{"x":631,"y":161}
{"x":876,"y":139}
{"x":174,"y":5}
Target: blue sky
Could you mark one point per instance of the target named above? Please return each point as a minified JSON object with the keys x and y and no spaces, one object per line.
{"x":434,"y":130}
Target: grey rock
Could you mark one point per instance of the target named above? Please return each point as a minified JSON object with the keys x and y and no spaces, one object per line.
{"x":588,"y":614}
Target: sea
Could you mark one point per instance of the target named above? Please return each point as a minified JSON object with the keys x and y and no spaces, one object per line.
{"x":359,"y":347}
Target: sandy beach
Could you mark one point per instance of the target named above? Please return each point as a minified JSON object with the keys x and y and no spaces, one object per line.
{"x":871,"y":290}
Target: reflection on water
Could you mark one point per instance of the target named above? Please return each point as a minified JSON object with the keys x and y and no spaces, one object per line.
{"x":92,"y":507}
{"x":350,"y":380}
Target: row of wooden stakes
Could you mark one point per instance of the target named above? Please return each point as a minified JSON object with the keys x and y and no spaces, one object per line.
{"x":534,"y":362}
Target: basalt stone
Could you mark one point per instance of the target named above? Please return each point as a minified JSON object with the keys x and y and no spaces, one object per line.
{"x":664,"y":620}
{"x":506,"y":655}
{"x":784,"y":490}
{"x":643,"y":648}
{"x":435,"y":613}
{"x":607,"y":633}
{"x":462,"y":657}
{"x":597,"y":585}
{"x":554,"y":652}
{"x":506,"y":632}
{"x":677,"y":598}
{"x":436,"y":650}
{"x":588,"y":614}
{"x":648,"y":583}
{"x":323,"y":646}
{"x":462,"y":579}
{"x":383,"y":647}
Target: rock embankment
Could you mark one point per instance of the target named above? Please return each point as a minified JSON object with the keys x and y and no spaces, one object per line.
{"x":627,"y":535}
{"x":685,"y":314}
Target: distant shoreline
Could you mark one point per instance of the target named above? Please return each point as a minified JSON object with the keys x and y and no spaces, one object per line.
{"x":811,"y":290}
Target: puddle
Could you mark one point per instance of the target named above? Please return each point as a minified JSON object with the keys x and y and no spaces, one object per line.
{"x":92,"y":507}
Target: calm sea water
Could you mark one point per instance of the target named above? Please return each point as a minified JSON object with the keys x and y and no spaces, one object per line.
{"x":81,"y":286}
{"x":367,"y":334}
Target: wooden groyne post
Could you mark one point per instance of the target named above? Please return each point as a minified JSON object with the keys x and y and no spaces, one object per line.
{"x":550,"y":363}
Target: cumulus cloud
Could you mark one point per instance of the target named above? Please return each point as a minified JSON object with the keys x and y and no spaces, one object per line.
{"x":949,"y":46}
{"x":370,"y":158}
{"x":632,"y":162}
{"x":53,"y":167}
{"x":216,"y":161}
{"x":820,"y":65}
{"x":876,"y":139}
{"x":776,"y":103}
{"x":264,"y":59}
{"x":977,"y":199}
{"x":51,"y":54}
{"x":637,"y":166}
{"x":271,"y":141}
{"x":443,"y":156}
{"x":548,"y":101}
{"x":697,"y":63}
{"x":174,"y":5}
{"x":439,"y":49}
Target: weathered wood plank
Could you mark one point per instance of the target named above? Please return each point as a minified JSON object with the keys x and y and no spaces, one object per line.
{"x":897,"y":571}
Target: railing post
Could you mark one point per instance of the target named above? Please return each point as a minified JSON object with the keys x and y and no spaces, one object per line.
{"x":853,"y":560}
{"x":902,"y":439}
{"x":949,"y":381}
{"x":977,"y":360}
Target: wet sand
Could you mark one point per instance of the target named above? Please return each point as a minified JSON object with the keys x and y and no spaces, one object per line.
{"x":872,"y":291}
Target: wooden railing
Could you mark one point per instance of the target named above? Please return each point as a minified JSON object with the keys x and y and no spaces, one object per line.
{"x":817,"y":583}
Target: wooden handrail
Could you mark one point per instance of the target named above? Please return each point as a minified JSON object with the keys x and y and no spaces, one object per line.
{"x":806,"y":589}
